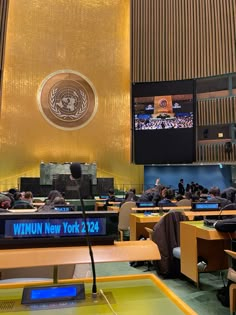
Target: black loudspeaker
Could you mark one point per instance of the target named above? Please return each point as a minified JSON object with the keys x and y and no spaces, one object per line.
{"x":64,"y":184}
{"x":103,"y":185}
{"x":205,"y":133}
{"x":228,"y":148}
{"x":31,"y":184}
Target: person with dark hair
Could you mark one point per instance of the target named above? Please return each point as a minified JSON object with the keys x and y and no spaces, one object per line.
{"x":185,"y":201}
{"x":229,"y":193}
{"x":181,"y":187}
{"x":111,"y":198}
{"x":130,"y":196}
{"x":58,"y":200}
{"x":49,"y":202}
{"x":12,"y":191}
{"x":28,"y":197}
{"x":204,"y":195}
{"x":167,"y":200}
{"x":52,"y":195}
{"x":214,"y":194}
{"x":5,"y":203}
{"x":133,"y":190}
{"x":22,"y":203}
{"x":188,"y":188}
{"x":154,"y":194}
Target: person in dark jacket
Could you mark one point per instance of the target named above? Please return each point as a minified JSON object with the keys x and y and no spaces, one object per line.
{"x":111,"y":198}
{"x":214,"y":194}
{"x":181,"y":187}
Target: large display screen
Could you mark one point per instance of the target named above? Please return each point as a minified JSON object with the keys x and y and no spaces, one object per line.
{"x":163,"y":121}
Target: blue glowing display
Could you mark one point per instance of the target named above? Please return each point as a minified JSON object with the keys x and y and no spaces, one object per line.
{"x":200,"y":206}
{"x":53,"y":292}
{"x":26,"y":228}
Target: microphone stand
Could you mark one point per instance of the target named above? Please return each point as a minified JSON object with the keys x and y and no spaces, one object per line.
{"x":94,"y":287}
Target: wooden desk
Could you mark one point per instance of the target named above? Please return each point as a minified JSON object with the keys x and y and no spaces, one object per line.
{"x":153,"y":209}
{"x":192,"y":214}
{"x":198,"y":240}
{"x":138,"y":221}
{"x":100,"y":204}
{"x":130,"y":294}
{"x":120,"y":251}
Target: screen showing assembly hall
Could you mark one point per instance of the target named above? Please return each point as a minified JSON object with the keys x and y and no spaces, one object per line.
{"x":163,"y":120}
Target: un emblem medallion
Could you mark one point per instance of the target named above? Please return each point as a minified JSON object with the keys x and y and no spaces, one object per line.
{"x":67,"y":99}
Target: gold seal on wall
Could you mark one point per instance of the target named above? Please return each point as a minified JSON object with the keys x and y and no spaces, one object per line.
{"x":67,"y":99}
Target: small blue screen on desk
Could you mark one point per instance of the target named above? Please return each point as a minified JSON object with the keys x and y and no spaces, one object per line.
{"x":205,"y":206}
{"x":62,"y":208}
{"x":53,"y":292}
{"x":26,"y":228}
{"x":145,"y":204}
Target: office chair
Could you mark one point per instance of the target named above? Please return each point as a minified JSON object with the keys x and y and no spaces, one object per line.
{"x":124,"y":219}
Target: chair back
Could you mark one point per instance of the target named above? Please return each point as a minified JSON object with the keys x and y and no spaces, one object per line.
{"x":124,"y":215}
{"x":166,"y":235}
{"x":230,"y":206}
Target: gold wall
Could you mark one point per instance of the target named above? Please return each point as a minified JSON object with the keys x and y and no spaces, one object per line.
{"x":88,"y":36}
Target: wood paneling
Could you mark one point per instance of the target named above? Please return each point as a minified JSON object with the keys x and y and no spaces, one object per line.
{"x":181,"y":39}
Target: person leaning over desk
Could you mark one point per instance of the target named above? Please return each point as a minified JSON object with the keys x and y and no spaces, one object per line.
{"x":154,"y":194}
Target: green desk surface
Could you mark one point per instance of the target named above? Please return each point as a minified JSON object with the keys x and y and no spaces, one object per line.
{"x":128,"y":295}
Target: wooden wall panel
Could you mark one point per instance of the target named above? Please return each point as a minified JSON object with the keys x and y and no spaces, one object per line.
{"x":216,"y":111}
{"x":181,"y":39}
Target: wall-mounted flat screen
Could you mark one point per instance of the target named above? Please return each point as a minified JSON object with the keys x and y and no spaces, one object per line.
{"x":163,"y":121}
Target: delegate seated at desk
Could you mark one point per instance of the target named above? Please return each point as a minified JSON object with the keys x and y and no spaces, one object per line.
{"x":111,"y":198}
{"x":166,"y":201}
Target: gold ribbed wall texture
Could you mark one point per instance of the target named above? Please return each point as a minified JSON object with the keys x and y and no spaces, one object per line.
{"x":88,"y":36}
{"x":181,"y":39}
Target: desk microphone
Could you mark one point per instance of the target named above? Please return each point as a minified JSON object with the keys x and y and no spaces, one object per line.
{"x":76,"y":173}
{"x":212,"y":222}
